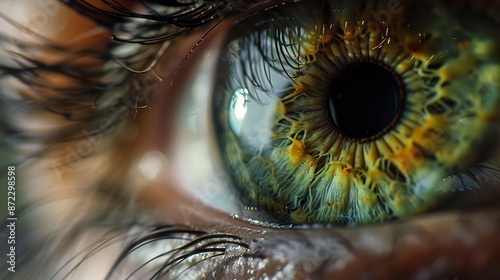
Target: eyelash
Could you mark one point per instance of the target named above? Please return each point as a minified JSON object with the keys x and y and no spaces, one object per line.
{"x":106,"y":96}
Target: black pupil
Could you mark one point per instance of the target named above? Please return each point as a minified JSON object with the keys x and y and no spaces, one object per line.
{"x":365,"y":98}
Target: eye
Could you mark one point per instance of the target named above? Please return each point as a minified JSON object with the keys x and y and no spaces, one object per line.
{"x":357,"y":113}
{"x":95,"y":163}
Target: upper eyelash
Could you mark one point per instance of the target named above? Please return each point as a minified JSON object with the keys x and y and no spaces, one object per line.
{"x":181,"y":18}
{"x":86,"y":100}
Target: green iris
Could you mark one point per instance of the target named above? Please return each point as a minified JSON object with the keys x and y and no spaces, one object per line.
{"x":354,"y":113}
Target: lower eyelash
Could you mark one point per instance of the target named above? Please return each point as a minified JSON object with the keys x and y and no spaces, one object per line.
{"x":172,"y":252}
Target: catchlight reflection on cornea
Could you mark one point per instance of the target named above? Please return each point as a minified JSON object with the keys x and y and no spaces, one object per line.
{"x":356,"y":112}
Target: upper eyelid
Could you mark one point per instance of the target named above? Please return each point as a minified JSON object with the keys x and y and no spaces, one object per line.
{"x":55,"y":70}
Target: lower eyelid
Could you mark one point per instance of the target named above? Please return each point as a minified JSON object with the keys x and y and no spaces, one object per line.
{"x":435,"y":245}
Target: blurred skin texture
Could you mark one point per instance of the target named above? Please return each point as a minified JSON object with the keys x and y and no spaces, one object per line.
{"x":124,"y":191}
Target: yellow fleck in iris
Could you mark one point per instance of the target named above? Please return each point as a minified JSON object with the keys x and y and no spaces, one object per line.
{"x":297,"y":151}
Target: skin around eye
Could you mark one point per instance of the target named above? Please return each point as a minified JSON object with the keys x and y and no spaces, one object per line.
{"x":341,"y":119}
{"x":114,"y":213}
